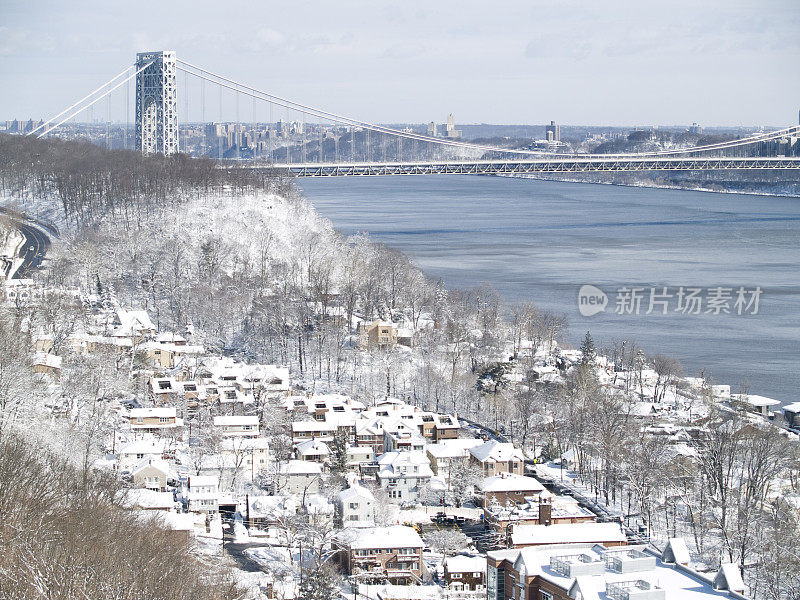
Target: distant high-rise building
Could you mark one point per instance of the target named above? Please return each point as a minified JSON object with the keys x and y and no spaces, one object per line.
{"x":552,"y":132}
{"x":432,"y":129}
{"x":450,"y":130}
{"x":695,"y":128}
{"x":156,"y":103}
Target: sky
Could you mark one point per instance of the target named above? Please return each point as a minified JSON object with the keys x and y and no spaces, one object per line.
{"x":609,"y":62}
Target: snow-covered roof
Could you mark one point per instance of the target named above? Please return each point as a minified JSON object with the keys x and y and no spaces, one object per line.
{"x":453,"y":448}
{"x":496,"y":451}
{"x":170,"y":337}
{"x":677,"y":583}
{"x":312,"y":447}
{"x":676,"y":552}
{"x":150,"y":499}
{"x":396,"y":536}
{"x":234,"y":444}
{"x":144,"y":447}
{"x":353,"y":492}
{"x":155,"y":463}
{"x":511,"y":482}
{"x":567,"y":533}
{"x":729,"y":578}
{"x":133,"y":321}
{"x":153,"y":412}
{"x":757,"y":401}
{"x":794,"y":407}
{"x":48,"y":360}
{"x":301,"y":467}
{"x":465,"y":564}
{"x":203,"y":480}
{"x":235,"y":420}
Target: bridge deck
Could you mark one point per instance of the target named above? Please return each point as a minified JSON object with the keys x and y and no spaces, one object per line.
{"x":496,"y":167}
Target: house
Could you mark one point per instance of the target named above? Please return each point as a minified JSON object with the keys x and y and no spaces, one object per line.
{"x":760,"y":405}
{"x":570,"y":571}
{"x":608,"y":534}
{"x":380,"y":554}
{"x":791,"y":413}
{"x":250,"y":455}
{"x":369,"y":433}
{"x":203,"y":493}
{"x":447,"y":453}
{"x":403,"y":475}
{"x":132,"y":455}
{"x":378,"y":335}
{"x":495,"y":457}
{"x":151,"y":474}
{"x":134,"y":325}
{"x":464,"y":572}
{"x":154,"y":419}
{"x":544,"y":509}
{"x":300,"y":477}
{"x":509,"y":488}
{"x":355,"y":507}
{"x":168,"y":355}
{"x":359,"y":457}
{"x":237,"y":425}
{"x":400,"y":437}
{"x":312,"y":450}
{"x":163,"y":389}
{"x":48,"y":364}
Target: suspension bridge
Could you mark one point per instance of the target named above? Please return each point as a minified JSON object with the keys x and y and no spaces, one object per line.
{"x":298,"y":140}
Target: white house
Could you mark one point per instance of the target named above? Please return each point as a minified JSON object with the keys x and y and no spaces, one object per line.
{"x":300,"y":477}
{"x":313,"y":450}
{"x":355,"y":507}
{"x":131,"y":455}
{"x":203,"y":493}
{"x":237,"y":425}
{"x":403,"y":475}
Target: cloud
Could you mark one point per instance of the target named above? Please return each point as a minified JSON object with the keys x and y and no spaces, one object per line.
{"x":17,"y":41}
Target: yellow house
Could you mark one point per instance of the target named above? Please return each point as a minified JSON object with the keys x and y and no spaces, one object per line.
{"x":379,"y":334}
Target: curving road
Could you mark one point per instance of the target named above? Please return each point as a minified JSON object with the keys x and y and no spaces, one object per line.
{"x":37,"y":242}
{"x":33,"y":251}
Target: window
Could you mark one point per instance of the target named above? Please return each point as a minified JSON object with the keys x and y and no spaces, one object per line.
{"x":455,"y":576}
{"x":354,"y":505}
{"x":545,"y":595}
{"x":352,"y":518}
{"x":163,"y":419}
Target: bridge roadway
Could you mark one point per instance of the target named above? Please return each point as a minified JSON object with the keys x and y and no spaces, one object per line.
{"x":579,"y":164}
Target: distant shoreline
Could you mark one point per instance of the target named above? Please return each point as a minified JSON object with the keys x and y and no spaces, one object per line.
{"x":645,"y":185}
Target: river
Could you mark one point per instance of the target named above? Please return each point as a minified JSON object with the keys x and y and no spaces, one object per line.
{"x":540,"y":241}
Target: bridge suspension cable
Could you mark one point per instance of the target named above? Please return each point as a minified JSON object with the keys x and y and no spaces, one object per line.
{"x":93,"y":102}
{"x":69,"y":108}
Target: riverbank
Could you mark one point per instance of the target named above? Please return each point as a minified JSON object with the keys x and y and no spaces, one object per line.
{"x":650,"y":184}
{"x":539,"y":241}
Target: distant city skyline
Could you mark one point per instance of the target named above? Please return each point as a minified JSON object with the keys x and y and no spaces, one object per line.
{"x":619,"y":63}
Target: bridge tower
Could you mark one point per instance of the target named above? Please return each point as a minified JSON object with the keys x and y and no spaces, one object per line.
{"x":156,"y":103}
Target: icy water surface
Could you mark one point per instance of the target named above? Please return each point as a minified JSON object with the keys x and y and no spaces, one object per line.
{"x":540,"y":241}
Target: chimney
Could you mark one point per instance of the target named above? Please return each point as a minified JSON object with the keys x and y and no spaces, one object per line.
{"x":545,"y":513}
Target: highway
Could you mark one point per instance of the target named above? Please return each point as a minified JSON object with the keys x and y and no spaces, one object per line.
{"x":37,"y":242}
